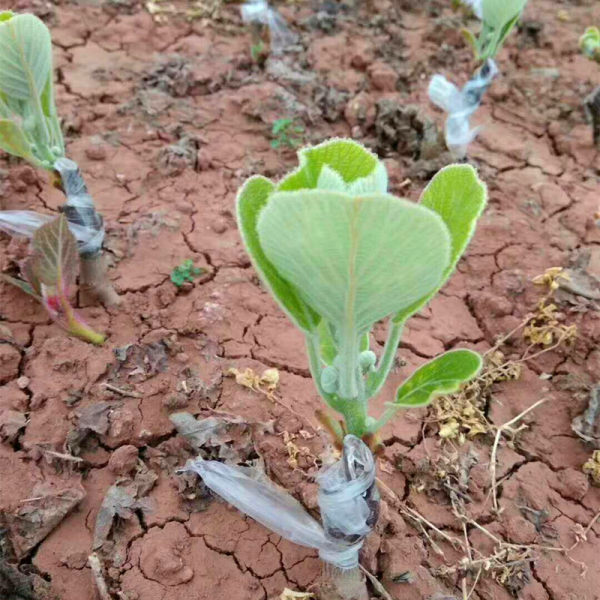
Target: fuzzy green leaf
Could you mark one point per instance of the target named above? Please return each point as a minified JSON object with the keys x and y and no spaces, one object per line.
{"x":348,"y":159}
{"x":21,"y":284}
{"x":458,"y":196}
{"x":13,"y":140}
{"x":55,"y":259}
{"x":443,"y":375}
{"x":25,"y":57}
{"x":354,"y":260}
{"x":497,"y":13}
{"x":251,"y":200}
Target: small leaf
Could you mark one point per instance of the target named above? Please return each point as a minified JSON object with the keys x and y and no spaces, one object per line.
{"x":55,"y":259}
{"x":252,"y":199}
{"x":443,"y":375}
{"x":347,"y":158}
{"x":328,"y":347}
{"x":458,"y":196}
{"x":21,"y":284}
{"x":497,"y":13}
{"x":13,"y":140}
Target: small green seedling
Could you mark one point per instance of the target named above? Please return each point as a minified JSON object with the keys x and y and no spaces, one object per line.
{"x":285,"y":132}
{"x":589,"y":43}
{"x":339,"y":254}
{"x":30,"y":129}
{"x":498,"y":18}
{"x":259,"y":52}
{"x":50,"y":272}
{"x":185,"y":272}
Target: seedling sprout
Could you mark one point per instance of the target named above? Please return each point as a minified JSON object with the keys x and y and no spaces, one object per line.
{"x":339,"y":254}
{"x":498,"y":18}
{"x":286,"y":134}
{"x":185,"y":272}
{"x":30,"y":129}
{"x":49,"y":274}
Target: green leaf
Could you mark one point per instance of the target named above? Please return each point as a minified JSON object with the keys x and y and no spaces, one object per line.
{"x":443,"y":375}
{"x":349,"y":159}
{"x":251,"y":200}
{"x":13,"y":140}
{"x":55,"y":259}
{"x":280,"y":125}
{"x":21,"y":284}
{"x":354,"y":260}
{"x":458,"y":196}
{"x":497,"y":13}
{"x":25,"y":57}
{"x":327,"y":345}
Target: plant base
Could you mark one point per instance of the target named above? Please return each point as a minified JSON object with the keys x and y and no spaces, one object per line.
{"x":94,"y":284}
{"x":342,"y":584}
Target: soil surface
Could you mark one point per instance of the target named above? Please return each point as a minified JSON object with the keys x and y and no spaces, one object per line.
{"x":167,"y":114}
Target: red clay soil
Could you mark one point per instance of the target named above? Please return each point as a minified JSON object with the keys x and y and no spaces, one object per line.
{"x":166,"y":118}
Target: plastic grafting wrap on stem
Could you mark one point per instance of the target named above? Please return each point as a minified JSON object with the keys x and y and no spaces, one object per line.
{"x":26,"y":222}
{"x":250,"y":492}
{"x":461,"y":104}
{"x":79,"y":207}
{"x":259,"y":11}
{"x":348,"y":497}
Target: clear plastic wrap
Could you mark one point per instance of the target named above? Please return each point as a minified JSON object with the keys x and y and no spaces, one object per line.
{"x":461,"y":104}
{"x":476,"y":6}
{"x":84,"y":222}
{"x":79,"y":208}
{"x":348,"y":500}
{"x":259,"y":12}
{"x":26,"y":222}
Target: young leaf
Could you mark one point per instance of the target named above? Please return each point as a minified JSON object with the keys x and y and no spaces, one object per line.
{"x":497,"y":13}
{"x":251,"y":200}
{"x":25,"y":57}
{"x":354,"y":260}
{"x":13,"y":141}
{"x":50,"y":271}
{"x":21,"y":284}
{"x":458,"y":196}
{"x":56,"y":259}
{"x":349,"y":159}
{"x":443,"y":375}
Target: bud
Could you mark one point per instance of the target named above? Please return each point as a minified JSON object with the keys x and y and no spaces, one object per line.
{"x":366,"y":361}
{"x":329,"y":380}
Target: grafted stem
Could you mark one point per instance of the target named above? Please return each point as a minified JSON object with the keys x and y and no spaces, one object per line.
{"x":94,"y":284}
{"x":342,"y":584}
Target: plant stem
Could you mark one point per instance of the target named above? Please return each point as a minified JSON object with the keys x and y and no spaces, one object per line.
{"x":76,"y":326}
{"x":342,"y":584}
{"x":349,"y":371}
{"x":94,"y":283}
{"x":355,"y":415}
{"x":592,"y":106}
{"x":377,"y":379}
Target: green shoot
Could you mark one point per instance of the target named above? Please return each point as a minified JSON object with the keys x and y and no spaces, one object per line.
{"x":339,"y":254}
{"x":29,"y":125}
{"x":498,"y":17}
{"x":185,"y":272}
{"x":285,"y":132}
{"x":50,"y":272}
{"x":589,"y":43}
{"x":259,"y":52}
